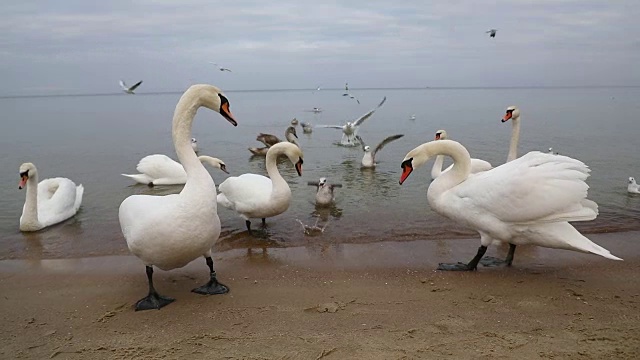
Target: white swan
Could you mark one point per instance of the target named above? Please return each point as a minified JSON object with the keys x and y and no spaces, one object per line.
{"x":633,"y":188}
{"x":257,"y":196}
{"x":477,"y":165}
{"x":127,"y":89}
{"x":48,"y":202}
{"x":158,"y":169}
{"x":525,"y":201}
{"x":369,"y":157}
{"x":350,"y":129}
{"x":324,"y":191}
{"x":172,"y":230}
{"x":513,"y":114}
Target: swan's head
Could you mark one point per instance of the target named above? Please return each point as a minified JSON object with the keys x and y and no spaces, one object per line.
{"x":632,"y":180}
{"x":292,"y":151}
{"x":420,"y":155}
{"x":26,"y":170}
{"x":215,"y":162}
{"x":512,"y":113}
{"x":291,"y":130}
{"x":213,"y":98}
{"x":441,"y":135}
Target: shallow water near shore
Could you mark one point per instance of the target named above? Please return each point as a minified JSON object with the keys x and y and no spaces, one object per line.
{"x":93,"y":139}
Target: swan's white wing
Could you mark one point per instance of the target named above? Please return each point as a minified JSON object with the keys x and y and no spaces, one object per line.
{"x":158,"y":166}
{"x":477,"y":166}
{"x":56,"y":200}
{"x":536,"y":187}
{"x":246,"y":192}
{"x":385,"y":142}
{"x":136,"y":85}
{"x":364,"y":117}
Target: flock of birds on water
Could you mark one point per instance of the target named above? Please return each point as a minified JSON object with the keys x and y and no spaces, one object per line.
{"x":528,"y":200}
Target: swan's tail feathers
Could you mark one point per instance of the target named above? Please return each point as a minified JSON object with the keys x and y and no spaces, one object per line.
{"x":222,"y":200}
{"x":564,"y":236}
{"x":79,"y":193}
{"x":139,"y":178}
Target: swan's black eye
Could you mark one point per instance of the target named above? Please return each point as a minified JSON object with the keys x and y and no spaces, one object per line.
{"x":509,"y":111}
{"x":24,"y":173}
{"x":406,"y":163}
{"x":223,"y":99}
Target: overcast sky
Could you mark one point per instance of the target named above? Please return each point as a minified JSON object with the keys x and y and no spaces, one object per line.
{"x":79,"y":46}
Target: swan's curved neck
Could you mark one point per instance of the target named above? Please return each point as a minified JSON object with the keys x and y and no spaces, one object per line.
{"x":436,"y":170}
{"x":515,"y":138}
{"x":278,"y":183}
{"x":458,"y":173}
{"x":181,"y":131}
{"x":30,"y":212}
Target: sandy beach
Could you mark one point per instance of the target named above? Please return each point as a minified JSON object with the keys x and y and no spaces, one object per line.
{"x":323,"y":301}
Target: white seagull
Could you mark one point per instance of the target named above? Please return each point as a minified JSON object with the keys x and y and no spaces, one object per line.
{"x":633,"y":188}
{"x":492,"y":32}
{"x":350,"y":129}
{"x":129,"y":90}
{"x":369,"y":158}
{"x":220,"y":67}
{"x":324,"y":191}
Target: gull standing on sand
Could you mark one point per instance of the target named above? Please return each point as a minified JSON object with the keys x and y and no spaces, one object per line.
{"x":369,"y":158}
{"x":324,"y":191}
{"x":129,"y":90}
{"x":350,"y":129}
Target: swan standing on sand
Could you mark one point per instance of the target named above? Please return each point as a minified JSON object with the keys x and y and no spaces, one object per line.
{"x":49,"y":202}
{"x":369,"y":157}
{"x":633,"y":188}
{"x":525,"y":201}
{"x":158,"y":169}
{"x":129,"y":90}
{"x":172,"y":230}
{"x":477,"y":165}
{"x":350,"y":129}
{"x":257,"y":196}
{"x":324,"y":191}
{"x":269,"y":140}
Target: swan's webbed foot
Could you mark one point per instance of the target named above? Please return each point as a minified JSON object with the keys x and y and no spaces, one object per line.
{"x":455,"y":267}
{"x":213,"y":287}
{"x":264,"y":222}
{"x":471,"y":266}
{"x":490,"y":261}
{"x":153,"y":301}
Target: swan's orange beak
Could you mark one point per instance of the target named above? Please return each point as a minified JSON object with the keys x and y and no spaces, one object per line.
{"x":224,"y":111}
{"x":299,"y":167}
{"x":23,"y":181}
{"x":407,"y":168}
{"x":507,"y":116}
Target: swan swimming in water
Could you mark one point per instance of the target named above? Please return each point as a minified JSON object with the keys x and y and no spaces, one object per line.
{"x":257,"y":196}
{"x":350,"y":129}
{"x":324,"y":191}
{"x":529,"y":200}
{"x":633,"y":188}
{"x":48,"y":202}
{"x":171,"y":231}
{"x":158,"y":169}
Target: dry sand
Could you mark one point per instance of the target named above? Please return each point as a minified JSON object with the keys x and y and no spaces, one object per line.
{"x":373,"y":301}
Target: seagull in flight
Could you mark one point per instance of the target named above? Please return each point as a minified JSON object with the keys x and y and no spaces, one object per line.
{"x":346,"y":89}
{"x":129,"y":90}
{"x":369,"y":158}
{"x":492,"y":32}
{"x":220,"y":67}
{"x":350,"y":129}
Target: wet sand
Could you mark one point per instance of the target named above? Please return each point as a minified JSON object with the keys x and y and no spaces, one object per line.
{"x":324,"y":301}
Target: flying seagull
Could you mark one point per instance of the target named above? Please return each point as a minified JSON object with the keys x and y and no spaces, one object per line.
{"x":350,"y":129}
{"x":369,"y":158}
{"x":129,"y":90}
{"x":492,"y":32}
{"x":346,"y":89}
{"x":220,"y":67}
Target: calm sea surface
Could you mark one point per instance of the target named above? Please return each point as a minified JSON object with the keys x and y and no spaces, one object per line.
{"x":93,"y":139}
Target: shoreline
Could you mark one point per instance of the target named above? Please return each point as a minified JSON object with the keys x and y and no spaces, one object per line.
{"x":377,"y":300}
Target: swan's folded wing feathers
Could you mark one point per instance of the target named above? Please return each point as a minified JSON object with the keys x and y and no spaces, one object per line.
{"x":160,"y":166}
{"x":535,"y":187}
{"x":245,"y":191}
{"x":60,"y":205}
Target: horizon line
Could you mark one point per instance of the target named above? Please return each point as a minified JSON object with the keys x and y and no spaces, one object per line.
{"x":169,"y":92}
